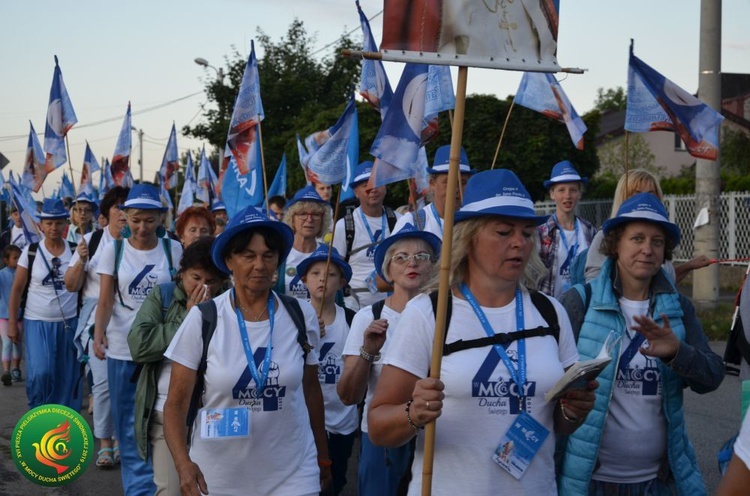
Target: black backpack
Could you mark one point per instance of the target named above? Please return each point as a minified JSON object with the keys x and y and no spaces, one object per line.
{"x":349,"y":226}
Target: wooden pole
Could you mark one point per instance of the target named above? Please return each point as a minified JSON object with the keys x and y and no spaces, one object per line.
{"x":445,"y":267}
{"x":502,"y":133}
{"x":263,"y":166}
{"x":328,"y":261}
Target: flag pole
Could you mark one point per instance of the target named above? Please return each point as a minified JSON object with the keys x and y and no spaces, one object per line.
{"x":263,"y":166}
{"x":502,"y":133}
{"x":73,"y":183}
{"x":330,"y":251}
{"x":445,"y":267}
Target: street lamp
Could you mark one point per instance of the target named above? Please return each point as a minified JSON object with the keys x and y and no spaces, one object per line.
{"x":219,"y":72}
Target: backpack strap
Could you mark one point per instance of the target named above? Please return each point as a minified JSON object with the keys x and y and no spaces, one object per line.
{"x":119,"y":249}
{"x":166,"y":242}
{"x":349,"y":230}
{"x":420,"y":217}
{"x":390,"y":217}
{"x":291,"y":304}
{"x":167,"y":295}
{"x":208,"y":326}
{"x":377,"y":309}
{"x":96,"y":238}
{"x":349,"y":314}
{"x":584,"y":291}
{"x":33,"y":247}
{"x":547,"y":309}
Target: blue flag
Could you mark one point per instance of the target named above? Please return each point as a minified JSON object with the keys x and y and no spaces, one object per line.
{"x":66,"y":187}
{"x":60,"y":118}
{"x":187,"y":197}
{"x":384,"y":173}
{"x":164,"y":194}
{"x":205,"y":189}
{"x":34,"y":172}
{"x":4,"y":188}
{"x":106,"y":182}
{"x":540,"y":91}
{"x":278,"y":186}
{"x":657,"y":104}
{"x":373,"y":86}
{"x":352,"y":159}
{"x":26,"y":210}
{"x":241,"y":190}
{"x":121,"y":158}
{"x":327,"y":160}
{"x":170,"y":163}
{"x":247,"y":114}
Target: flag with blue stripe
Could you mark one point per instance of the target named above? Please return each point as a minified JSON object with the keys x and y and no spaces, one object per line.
{"x":328,"y":150}
{"x":26,"y":211}
{"x":121,"y":158}
{"x":66,"y":187}
{"x":373,"y":86}
{"x":106,"y":182}
{"x":206,"y":180}
{"x":170,"y":163}
{"x":187,"y":196}
{"x":241,"y":190}
{"x":278,"y":186}
{"x":247,"y":114}
{"x":60,"y":119}
{"x":34,"y":172}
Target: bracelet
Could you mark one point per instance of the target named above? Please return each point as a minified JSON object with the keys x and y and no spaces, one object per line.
{"x":324,"y":463}
{"x":408,"y":417}
{"x":571,"y":420}
{"x":367,"y":356}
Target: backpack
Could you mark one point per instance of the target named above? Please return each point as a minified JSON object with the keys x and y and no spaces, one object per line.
{"x":120,"y":249}
{"x":208,"y":326}
{"x":349,"y":226}
{"x":96,"y":238}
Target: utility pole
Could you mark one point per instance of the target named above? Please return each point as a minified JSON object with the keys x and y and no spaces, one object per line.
{"x":707,"y":178}
{"x":140,"y":150}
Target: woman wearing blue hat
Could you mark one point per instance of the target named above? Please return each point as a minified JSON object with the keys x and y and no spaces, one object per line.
{"x":635,"y":441}
{"x":564,"y":235}
{"x":489,"y":396}
{"x":50,"y":316}
{"x":130,"y":268}
{"x":407,"y":260}
{"x":258,"y":365}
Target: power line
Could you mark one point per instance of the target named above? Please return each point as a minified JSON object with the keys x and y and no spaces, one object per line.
{"x":342,"y":36}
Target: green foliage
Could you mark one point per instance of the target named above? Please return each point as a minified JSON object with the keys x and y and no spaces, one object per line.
{"x":613,"y":156}
{"x":735,"y":151}
{"x":612,"y":99}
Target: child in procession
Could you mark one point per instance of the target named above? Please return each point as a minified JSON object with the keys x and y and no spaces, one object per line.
{"x":11,"y":351}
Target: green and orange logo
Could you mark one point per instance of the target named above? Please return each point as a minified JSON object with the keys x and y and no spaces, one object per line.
{"x":52,"y":445}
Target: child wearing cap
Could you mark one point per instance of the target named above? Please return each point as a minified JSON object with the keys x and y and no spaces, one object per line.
{"x":564,"y":235}
{"x":341,"y":420}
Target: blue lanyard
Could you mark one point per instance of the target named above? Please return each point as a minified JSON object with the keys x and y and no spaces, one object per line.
{"x":437,"y":218}
{"x":564,"y":239}
{"x":367,"y":226}
{"x":518,"y":376}
{"x":260,"y":380}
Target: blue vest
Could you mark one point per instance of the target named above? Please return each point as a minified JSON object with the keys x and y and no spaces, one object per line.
{"x":582,"y":448}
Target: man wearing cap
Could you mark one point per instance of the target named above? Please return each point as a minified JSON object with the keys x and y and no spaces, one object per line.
{"x":220,"y":215}
{"x":564,"y":235}
{"x":14,"y":234}
{"x":358,"y":234}
{"x":84,"y":208}
{"x":430,"y":218}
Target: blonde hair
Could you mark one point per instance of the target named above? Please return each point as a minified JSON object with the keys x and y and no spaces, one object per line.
{"x":424,"y":245}
{"x":637,"y":180}
{"x":314,"y":206}
{"x":129,"y":212}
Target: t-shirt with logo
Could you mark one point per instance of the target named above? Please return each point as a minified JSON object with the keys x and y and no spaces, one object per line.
{"x":293,"y":285}
{"x":357,"y":338}
{"x":48,"y":300}
{"x":18,"y":237}
{"x":481,"y":401}
{"x":635,"y":433}
{"x":564,"y":257}
{"x":93,"y":279}
{"x":340,"y":418}
{"x":432,"y":223}
{"x":140,"y":271}
{"x":280,"y":456}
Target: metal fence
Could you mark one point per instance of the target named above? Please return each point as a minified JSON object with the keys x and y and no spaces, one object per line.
{"x":734,"y":221}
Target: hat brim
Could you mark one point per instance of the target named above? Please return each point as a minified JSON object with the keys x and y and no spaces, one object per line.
{"x":470,"y":172}
{"x":44,"y":216}
{"x":672,"y":231}
{"x":223,"y":239}
{"x":504,"y":211}
{"x":306,"y":263}
{"x":382,"y":248}
{"x":549,"y":183}
{"x":144,"y":206}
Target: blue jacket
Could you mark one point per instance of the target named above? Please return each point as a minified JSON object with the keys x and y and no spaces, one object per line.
{"x":695,"y":365}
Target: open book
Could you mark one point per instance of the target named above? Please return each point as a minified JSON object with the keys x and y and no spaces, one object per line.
{"x":580,"y":373}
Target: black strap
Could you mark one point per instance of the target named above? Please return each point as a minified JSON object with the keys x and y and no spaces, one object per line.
{"x":349,"y":314}
{"x":295,"y":311}
{"x":349,"y":230}
{"x":96,"y":238}
{"x":32,"y":256}
{"x":208,"y":326}
{"x":390,"y":217}
{"x":377,"y":309}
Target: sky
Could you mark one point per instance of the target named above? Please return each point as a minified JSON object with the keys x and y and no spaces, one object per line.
{"x":142,"y":51}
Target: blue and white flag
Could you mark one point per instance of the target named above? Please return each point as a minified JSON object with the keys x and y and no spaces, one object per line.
{"x":657,"y":104}
{"x":241,"y":190}
{"x":164,"y":194}
{"x":439,"y":96}
{"x":304,"y":156}
{"x":90,"y":159}
{"x":27,"y":212}
{"x":384,"y":173}
{"x":187,"y":197}
{"x":247,"y":114}
{"x":352,"y":159}
{"x":4,"y":187}
{"x":327,"y":160}
{"x":60,"y":118}
{"x":106,"y":182}
{"x":120,"y":167}
{"x":373,"y":86}
{"x":278,"y":186}
{"x":170,"y":163}
{"x":540,"y":91}
{"x":90,"y":165}
{"x":205,"y":189}
{"x":34,"y":172}
{"x":66,"y":187}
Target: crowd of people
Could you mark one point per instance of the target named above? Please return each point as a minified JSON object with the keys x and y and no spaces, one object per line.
{"x":246,"y":355}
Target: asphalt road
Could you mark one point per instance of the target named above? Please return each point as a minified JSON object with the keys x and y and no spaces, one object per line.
{"x":711,"y":420}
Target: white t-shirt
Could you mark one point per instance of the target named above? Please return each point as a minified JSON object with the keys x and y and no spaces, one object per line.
{"x":92,"y":282}
{"x":357,"y":337}
{"x":17,"y":237}
{"x":340,"y":418}
{"x":481,"y":401}
{"x":363,"y":261}
{"x":280,"y":456}
{"x":293,"y":285}
{"x":140,"y":271}
{"x":742,"y":444}
{"x":432,"y":223}
{"x":635,"y":432}
{"x":48,"y":300}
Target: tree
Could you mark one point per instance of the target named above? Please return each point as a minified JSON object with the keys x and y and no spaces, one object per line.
{"x":611,"y":99}
{"x":735,"y":150}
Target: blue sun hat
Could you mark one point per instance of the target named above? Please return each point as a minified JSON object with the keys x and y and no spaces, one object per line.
{"x":564,"y":172}
{"x":497,"y":192}
{"x":144,"y":197}
{"x":248,"y":219}
{"x":53,"y":208}
{"x":307,"y":193}
{"x":408,"y":231}
{"x":321,"y":255}
{"x":362,"y":173}
{"x":644,"y":207}
{"x":441,"y":163}
{"x":217,"y":206}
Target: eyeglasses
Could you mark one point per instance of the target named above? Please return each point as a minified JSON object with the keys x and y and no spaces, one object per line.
{"x":305,"y":215}
{"x":403,"y":259}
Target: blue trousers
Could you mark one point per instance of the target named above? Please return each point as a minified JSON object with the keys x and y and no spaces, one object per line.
{"x":52,"y":369}
{"x":137,"y":475}
{"x":339,"y":451}
{"x":381,"y":469}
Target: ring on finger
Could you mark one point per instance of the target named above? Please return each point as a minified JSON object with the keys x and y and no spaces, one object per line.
{"x":427,"y":405}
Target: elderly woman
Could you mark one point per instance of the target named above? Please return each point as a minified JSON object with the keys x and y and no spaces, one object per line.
{"x":130,"y":269}
{"x":635,"y":441}
{"x":309,"y":216}
{"x":253,"y":364}
{"x":405,"y":259}
{"x":487,"y":395}
{"x":154,"y":327}
{"x":82,"y":217}
{"x":194,"y":223}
